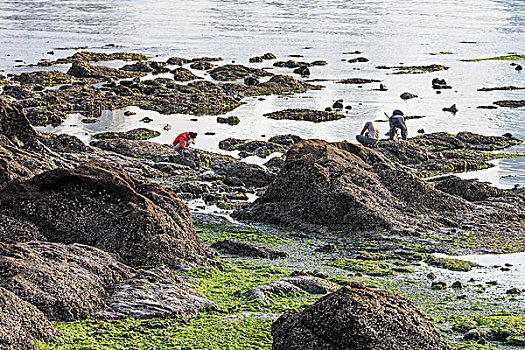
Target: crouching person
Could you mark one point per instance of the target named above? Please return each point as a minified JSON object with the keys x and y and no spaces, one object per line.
{"x":183,"y":142}
{"x":369,"y":135}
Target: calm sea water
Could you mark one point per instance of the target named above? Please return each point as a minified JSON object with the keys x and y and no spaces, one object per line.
{"x":388,"y":32}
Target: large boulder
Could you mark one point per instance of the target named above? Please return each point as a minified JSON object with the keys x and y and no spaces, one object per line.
{"x":65,"y":282}
{"x":21,"y":153}
{"x":358,"y":318}
{"x":469,"y":189}
{"x":68,"y":282}
{"x":102,"y":206}
{"x":21,"y":323}
{"x":349,"y":188}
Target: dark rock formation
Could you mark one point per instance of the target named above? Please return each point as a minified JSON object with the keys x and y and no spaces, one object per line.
{"x":249,"y":249}
{"x":183,"y":74}
{"x":22,"y":154}
{"x":135,"y":134}
{"x":358,"y":81}
{"x":293,"y":285}
{"x":102,"y":206}
{"x":21,"y":323}
{"x":471,"y":190}
{"x":82,"y":69}
{"x":348,"y":188}
{"x":231,"y":72}
{"x":360,"y":318}
{"x":68,"y":282}
{"x":65,"y":282}
{"x":305,"y":115}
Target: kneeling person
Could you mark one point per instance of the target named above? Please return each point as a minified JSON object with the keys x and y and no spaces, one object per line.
{"x":369,"y":135}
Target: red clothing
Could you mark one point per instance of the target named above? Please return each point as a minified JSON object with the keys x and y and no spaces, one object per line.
{"x":182,"y":139}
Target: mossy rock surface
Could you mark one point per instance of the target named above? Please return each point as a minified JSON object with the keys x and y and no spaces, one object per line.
{"x":135,"y":134}
{"x":305,"y":115}
{"x":497,"y":58}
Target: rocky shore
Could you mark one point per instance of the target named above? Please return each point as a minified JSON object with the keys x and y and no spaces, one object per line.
{"x":99,"y":248}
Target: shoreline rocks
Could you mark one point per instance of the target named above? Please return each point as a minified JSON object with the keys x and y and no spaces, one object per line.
{"x":357,"y":317}
{"x":349,"y":188}
{"x":22,"y":323}
{"x":102,"y":206}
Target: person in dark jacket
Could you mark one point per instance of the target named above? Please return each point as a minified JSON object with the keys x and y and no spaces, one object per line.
{"x":397,"y":120}
{"x":183,"y":141}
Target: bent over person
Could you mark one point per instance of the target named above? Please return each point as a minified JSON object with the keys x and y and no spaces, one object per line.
{"x":184,"y":141}
{"x":369,"y":135}
{"x":397,"y":120}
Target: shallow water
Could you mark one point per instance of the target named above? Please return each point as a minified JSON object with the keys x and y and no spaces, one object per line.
{"x":490,"y":270}
{"x":388,"y":32}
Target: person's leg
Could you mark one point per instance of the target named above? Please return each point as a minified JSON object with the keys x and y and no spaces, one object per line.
{"x":366,"y":141}
{"x":392,"y":130}
{"x":403,"y":128}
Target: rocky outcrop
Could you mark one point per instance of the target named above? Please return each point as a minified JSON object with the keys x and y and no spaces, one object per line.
{"x":291,"y":286}
{"x":22,"y":154}
{"x":21,"y":323}
{"x":65,"y":282}
{"x":231,"y":72}
{"x":360,"y":318}
{"x":82,"y":69}
{"x":249,"y":249}
{"x":349,"y":188}
{"x":471,"y":189}
{"x":441,"y":153}
{"x":68,"y":282}
{"x":102,"y":206}
{"x":309,"y":115}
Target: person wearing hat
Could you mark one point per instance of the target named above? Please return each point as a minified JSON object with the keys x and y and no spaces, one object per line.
{"x":184,"y":141}
{"x":369,"y":135}
{"x":397,"y":120}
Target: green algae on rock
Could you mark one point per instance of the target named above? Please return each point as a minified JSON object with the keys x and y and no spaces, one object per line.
{"x":305,"y":115}
{"x":358,"y":81}
{"x":231,"y":72}
{"x":496,"y":58}
{"x":414,"y":69}
{"x":88,"y":56}
{"x":135,"y":134}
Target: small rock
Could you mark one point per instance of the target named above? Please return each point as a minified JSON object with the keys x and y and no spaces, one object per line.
{"x":249,"y":249}
{"x":518,"y":67}
{"x":348,"y":107}
{"x":438,"y":285}
{"x":382,"y":87}
{"x":251,"y":81}
{"x":514,"y":290}
{"x":337,"y":105}
{"x":407,"y":96}
{"x":452,"y":109}
{"x":457,"y":285}
{"x":167,"y":127}
{"x":328,"y":109}
{"x":421,"y":131}
{"x":491,"y":283}
{"x":128,"y":113}
{"x":231,"y":120}
{"x":146,"y":120}
{"x":432,"y":276}
{"x":320,"y":274}
{"x":209,"y":133}
{"x":358,"y":59}
{"x":326,"y":248}
{"x":303,"y":71}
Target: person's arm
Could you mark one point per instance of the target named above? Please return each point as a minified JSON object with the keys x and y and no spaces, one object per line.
{"x":181,"y":143}
{"x":364,"y":129}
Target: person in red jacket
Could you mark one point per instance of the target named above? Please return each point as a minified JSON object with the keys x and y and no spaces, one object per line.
{"x":184,"y":141}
